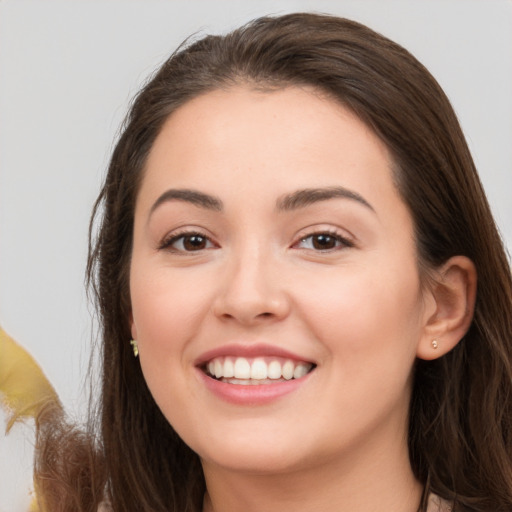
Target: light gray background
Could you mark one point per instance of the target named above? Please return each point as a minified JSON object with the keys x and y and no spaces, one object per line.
{"x":67,"y":71}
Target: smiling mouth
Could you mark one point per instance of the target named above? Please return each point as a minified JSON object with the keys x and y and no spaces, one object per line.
{"x":256,"y":371}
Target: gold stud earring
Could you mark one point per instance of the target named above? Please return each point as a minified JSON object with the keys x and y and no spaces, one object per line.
{"x":434,"y":344}
{"x":135,"y":347}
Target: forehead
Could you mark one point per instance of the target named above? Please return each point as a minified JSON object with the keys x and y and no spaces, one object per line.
{"x":289,"y":129}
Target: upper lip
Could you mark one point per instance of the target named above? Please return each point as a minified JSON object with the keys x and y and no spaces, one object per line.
{"x":249,"y":351}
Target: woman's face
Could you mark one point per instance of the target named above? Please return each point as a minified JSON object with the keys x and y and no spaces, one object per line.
{"x":271,"y":248}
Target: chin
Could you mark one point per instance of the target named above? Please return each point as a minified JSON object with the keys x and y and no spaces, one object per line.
{"x":253,"y":463}
{"x":249,"y":454}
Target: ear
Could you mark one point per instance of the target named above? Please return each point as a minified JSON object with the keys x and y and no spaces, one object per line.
{"x":453,"y":290}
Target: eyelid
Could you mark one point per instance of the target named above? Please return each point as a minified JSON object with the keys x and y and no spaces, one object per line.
{"x":346,"y":239}
{"x":170,"y":238}
{"x":342,"y":236}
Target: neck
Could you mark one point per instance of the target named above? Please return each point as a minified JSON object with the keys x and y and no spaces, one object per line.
{"x":369,"y":482}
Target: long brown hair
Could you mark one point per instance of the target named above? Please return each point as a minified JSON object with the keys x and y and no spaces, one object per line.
{"x":460,"y":424}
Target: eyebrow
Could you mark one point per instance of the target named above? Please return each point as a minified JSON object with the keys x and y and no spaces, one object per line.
{"x":194,"y":197}
{"x":289,"y":202}
{"x":308,"y":196}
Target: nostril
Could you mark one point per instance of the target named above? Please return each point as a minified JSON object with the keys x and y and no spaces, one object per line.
{"x":257,"y":307}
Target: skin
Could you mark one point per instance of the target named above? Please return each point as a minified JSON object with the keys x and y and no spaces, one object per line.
{"x":358,"y":310}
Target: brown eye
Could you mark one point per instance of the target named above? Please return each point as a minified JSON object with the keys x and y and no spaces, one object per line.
{"x":187,"y":242}
{"x":323,"y":242}
{"x":194,"y":242}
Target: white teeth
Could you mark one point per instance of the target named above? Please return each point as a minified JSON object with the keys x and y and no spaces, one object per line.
{"x":300,"y":371}
{"x":218,"y":367}
{"x":248,"y":382}
{"x":242,"y":368}
{"x":229,"y":368}
{"x":260,"y":370}
{"x":274,"y":370}
{"x":288,"y":368}
{"x":243,"y":382}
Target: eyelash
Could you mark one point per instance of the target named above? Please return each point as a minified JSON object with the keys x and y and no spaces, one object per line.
{"x":168,"y":242}
{"x":340,"y":241}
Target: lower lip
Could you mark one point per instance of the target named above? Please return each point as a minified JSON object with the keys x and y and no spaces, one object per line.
{"x":251,"y":394}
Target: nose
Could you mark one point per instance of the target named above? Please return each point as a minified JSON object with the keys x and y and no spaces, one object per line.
{"x":252,"y":290}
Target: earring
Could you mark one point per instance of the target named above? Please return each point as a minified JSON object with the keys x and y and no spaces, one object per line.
{"x":135,"y":347}
{"x":434,"y":344}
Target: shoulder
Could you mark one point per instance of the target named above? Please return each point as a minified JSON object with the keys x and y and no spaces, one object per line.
{"x":437,"y":504}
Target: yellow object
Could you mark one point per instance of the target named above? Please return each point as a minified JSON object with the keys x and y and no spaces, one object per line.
{"x":34,"y":506}
{"x":24,"y":389}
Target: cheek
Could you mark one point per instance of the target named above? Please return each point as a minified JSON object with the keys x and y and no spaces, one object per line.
{"x":366,"y":312}
{"x":166,"y":312}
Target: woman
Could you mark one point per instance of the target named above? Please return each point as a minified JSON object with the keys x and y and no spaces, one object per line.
{"x":291,"y":234}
